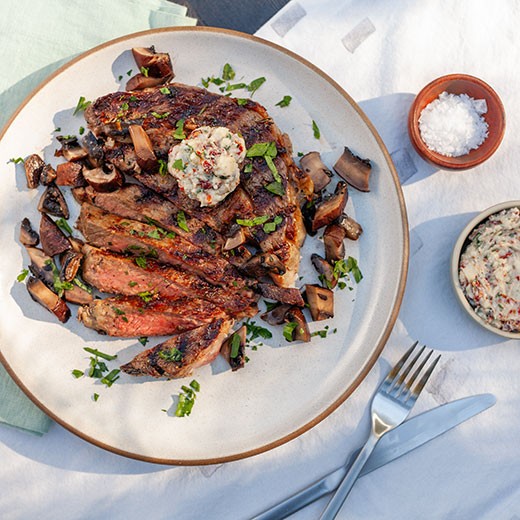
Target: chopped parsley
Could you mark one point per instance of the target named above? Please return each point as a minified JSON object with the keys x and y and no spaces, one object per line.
{"x":141,"y":261}
{"x":256,"y":221}
{"x":98,"y":353}
{"x":165,"y":90}
{"x":255,"y":85}
{"x":78,"y":373}
{"x":173,"y":354}
{"x":235,"y":345}
{"x":276,"y":188}
{"x":255,"y":331}
{"x":146,"y":296}
{"x":82,"y":105}
{"x":159,"y":116}
{"x":288,"y":330}
{"x":143,"y":340}
{"x":241,"y":101}
{"x":234,"y":86}
{"x":181,"y":221}
{"x":59,"y":285}
{"x":315,"y":130}
{"x":269,"y":227}
{"x":187,"y":399}
{"x":95,"y":397}
{"x":111,"y":377}
{"x":284,"y":102}
{"x":179,"y":133}
{"x":23,"y":275}
{"x":144,"y":71}
{"x":16,"y":160}
{"x":228,"y":73}
{"x":268,"y":152}
{"x":178,"y":164}
{"x":162,"y":167}
{"x":64,"y":225}
{"x":81,"y":130}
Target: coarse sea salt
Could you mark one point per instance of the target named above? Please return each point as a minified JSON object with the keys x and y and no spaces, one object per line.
{"x":452,"y":124}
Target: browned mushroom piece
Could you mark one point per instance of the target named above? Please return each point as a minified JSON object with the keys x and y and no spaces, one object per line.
{"x":333,"y":239}
{"x":301,"y":331}
{"x":70,"y":174}
{"x":140,"y":82}
{"x":53,"y":202}
{"x":321,"y":302}
{"x":94,"y":148}
{"x":53,"y":240}
{"x":312,"y":164}
{"x":78,"y":295}
{"x":325,"y":271}
{"x":77,"y":244}
{"x":276,"y":316}
{"x":156,"y":64}
{"x":234,"y":348}
{"x":70,"y":263}
{"x":41,"y":265}
{"x":48,"y":175}
{"x":263,"y":264}
{"x":352,"y":228}
{"x":308,"y":210}
{"x":28,"y":237}
{"x":235,"y":238}
{"x":71,"y":149}
{"x":51,"y":301}
{"x":289,"y":295}
{"x":330,"y":209}
{"x":33,"y":169}
{"x":104,"y":179}
{"x":145,"y":155}
{"x":354,"y":170}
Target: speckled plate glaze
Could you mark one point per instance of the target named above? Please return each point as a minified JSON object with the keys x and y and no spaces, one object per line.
{"x":285,"y":389}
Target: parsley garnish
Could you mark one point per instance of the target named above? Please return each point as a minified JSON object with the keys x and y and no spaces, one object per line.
{"x":285,"y":102}
{"x":98,"y":353}
{"x":228,"y":73}
{"x":255,"y":85}
{"x":146,"y":296}
{"x":178,"y":164}
{"x":235,"y":345}
{"x":269,"y":227}
{"x":111,"y":377}
{"x":164,"y":90}
{"x":268,"y":151}
{"x":276,"y":188}
{"x":315,"y":130}
{"x":160,"y":116}
{"x":95,"y":397}
{"x":23,"y":275}
{"x":187,"y":399}
{"x":143,"y":340}
{"x":235,"y":86}
{"x":60,"y":286}
{"x":64,"y":225}
{"x":173,"y":354}
{"x":179,"y":132}
{"x":256,"y":221}
{"x":141,"y":261}
{"x":144,"y":71}
{"x":162,"y":167}
{"x":181,"y":221}
{"x":78,"y":373}
{"x":255,"y":331}
{"x":241,"y":101}
{"x":82,"y":105}
{"x":16,"y":160}
{"x":288,"y":330}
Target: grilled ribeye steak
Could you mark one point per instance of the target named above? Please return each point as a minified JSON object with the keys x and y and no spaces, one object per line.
{"x":130,"y":316}
{"x":181,"y":354}
{"x":123,"y":235}
{"x":110,"y":117}
{"x":118,"y":274}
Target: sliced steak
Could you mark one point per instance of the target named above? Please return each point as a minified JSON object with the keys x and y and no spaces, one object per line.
{"x":180,"y":355}
{"x":117,"y":274}
{"x":144,"y":315}
{"x":198,"y":107}
{"x":129,"y":236}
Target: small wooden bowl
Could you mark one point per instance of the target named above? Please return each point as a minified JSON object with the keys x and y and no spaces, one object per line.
{"x":475,"y":88}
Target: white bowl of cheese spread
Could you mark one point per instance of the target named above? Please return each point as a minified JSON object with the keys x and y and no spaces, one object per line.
{"x":485,"y":269}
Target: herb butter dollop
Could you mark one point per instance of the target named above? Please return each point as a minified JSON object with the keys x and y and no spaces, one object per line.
{"x":207,"y":163}
{"x":489,"y":270}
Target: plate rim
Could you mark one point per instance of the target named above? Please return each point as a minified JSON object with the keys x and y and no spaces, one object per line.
{"x":391,"y":318}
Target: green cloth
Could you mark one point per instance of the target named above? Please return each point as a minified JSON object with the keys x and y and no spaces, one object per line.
{"x":37,"y":37}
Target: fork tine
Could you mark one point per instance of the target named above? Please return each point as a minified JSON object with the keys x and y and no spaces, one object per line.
{"x":389,"y":380}
{"x":420,"y":385}
{"x":399,"y":384}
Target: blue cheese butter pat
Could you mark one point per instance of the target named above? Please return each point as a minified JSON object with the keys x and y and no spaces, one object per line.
{"x":207,"y":164}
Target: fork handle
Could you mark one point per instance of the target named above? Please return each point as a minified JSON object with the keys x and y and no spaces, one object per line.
{"x":344,"y":488}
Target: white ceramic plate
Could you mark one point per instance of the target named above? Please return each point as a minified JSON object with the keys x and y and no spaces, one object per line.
{"x":285,"y":388}
{"x":459,"y":248}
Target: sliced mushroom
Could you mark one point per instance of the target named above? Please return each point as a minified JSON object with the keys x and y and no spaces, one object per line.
{"x":33,"y":168}
{"x":71,"y":149}
{"x":78,"y":295}
{"x":308,"y":211}
{"x":330,"y":209}
{"x":289,"y":295}
{"x":234,"y":348}
{"x":276,"y":316}
{"x":263,"y":264}
{"x":321,"y":302}
{"x":70,"y":174}
{"x":354,"y":170}
{"x":70,"y":264}
{"x":53,"y":240}
{"x":312,"y":164}
{"x":334,"y":241}
{"x":236,"y":238}
{"x":145,"y":155}
{"x":44,"y":296}
{"x":94,"y":148}
{"x":352,"y":229}
{"x":41,"y":265}
{"x":48,"y":175}
{"x":140,"y":82}
{"x":53,"y":202}
{"x":105,"y":179}
{"x":301,"y":332}
{"x":325,"y":271}
{"x":28,"y":237}
{"x":157,"y":64}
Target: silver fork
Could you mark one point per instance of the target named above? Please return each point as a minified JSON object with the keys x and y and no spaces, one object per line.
{"x":390,"y":407}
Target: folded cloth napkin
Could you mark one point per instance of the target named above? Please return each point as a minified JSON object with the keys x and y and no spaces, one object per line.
{"x":37,"y":38}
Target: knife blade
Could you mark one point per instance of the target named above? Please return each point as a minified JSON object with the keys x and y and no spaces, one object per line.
{"x":410,"y":435}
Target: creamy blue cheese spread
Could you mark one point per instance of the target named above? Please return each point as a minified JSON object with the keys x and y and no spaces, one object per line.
{"x":489,"y":270}
{"x":207,"y":164}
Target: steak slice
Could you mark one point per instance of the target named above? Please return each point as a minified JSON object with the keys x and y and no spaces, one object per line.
{"x":123,"y":235}
{"x":117,"y":274}
{"x":127,"y":316}
{"x":198,"y":107}
{"x":180,"y":355}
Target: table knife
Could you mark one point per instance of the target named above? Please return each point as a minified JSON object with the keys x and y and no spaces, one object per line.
{"x":410,"y":435}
